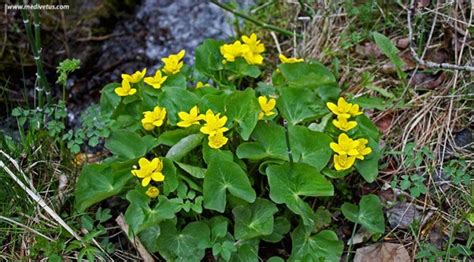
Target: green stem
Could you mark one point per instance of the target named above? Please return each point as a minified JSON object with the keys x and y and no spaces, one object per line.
{"x":255,"y":21}
{"x":35,"y":42}
{"x":288,"y":145}
{"x":350,"y":243}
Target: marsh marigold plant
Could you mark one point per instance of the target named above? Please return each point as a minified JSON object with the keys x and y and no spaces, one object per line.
{"x":217,"y":157}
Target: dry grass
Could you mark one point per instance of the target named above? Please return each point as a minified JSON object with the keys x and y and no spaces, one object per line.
{"x":429,"y":117}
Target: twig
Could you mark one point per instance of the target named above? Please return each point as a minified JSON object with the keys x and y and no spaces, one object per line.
{"x":135,"y":241}
{"x":422,"y":62}
{"x":255,"y":21}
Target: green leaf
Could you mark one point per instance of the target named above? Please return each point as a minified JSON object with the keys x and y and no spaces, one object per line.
{"x":184,"y":146}
{"x":242,"y":107}
{"x":208,"y":57}
{"x":171,"y":137}
{"x":299,"y":104}
{"x":247,"y":251}
{"x":310,"y":147}
{"x":170,"y":184}
{"x":365,"y":127}
{"x":372,"y":102}
{"x":222,"y":176}
{"x":271,"y":143}
{"x":176,"y":100}
{"x":280,"y":229}
{"x":253,"y":220}
{"x":288,"y":182}
{"x":175,"y":81}
{"x":369,"y":167}
{"x":324,"y":246}
{"x":186,"y":245}
{"x":140,"y":216}
{"x":195,"y":171}
{"x":218,"y":225}
{"x":109,"y":100}
{"x":389,"y":49}
{"x":369,"y":213}
{"x":210,"y":153}
{"x":129,"y":145}
{"x":149,"y":238}
{"x":100,"y":181}
{"x":241,"y":68}
{"x":305,"y":75}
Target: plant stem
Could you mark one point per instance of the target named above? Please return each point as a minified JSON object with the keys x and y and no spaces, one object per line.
{"x":35,"y":42}
{"x":255,"y":21}
{"x":350,"y":243}
{"x":287,"y":137}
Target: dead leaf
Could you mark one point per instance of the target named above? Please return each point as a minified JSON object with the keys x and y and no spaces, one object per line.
{"x":385,"y":123}
{"x":402,"y":215}
{"x":402,"y":43}
{"x":369,"y":49}
{"x":382,"y":252}
{"x":422,"y":3}
{"x":428,"y":80}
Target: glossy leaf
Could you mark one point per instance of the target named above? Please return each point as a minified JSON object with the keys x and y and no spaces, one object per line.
{"x":253,"y":220}
{"x":242,"y":108}
{"x":369,"y":213}
{"x":100,"y":181}
{"x":289,"y":182}
{"x":129,"y":145}
{"x":222,"y":176}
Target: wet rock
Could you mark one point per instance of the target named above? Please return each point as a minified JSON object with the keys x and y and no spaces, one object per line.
{"x":402,"y":215}
{"x":464,"y":139}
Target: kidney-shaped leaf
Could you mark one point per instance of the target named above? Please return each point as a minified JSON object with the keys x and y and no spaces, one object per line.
{"x":288,"y":182}
{"x":188,"y":244}
{"x":270,"y":142}
{"x":306,"y":75}
{"x":324,"y":246}
{"x":100,"y":181}
{"x":242,"y":107}
{"x":253,"y":220}
{"x":222,"y":176}
{"x":129,"y":145}
{"x":369,"y":213}
{"x":310,"y":147}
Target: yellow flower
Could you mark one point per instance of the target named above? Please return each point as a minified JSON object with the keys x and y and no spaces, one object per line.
{"x":125,"y":89}
{"x":344,"y":108}
{"x":217,"y":140}
{"x":354,"y":111}
{"x":135,"y":77}
{"x":152,"y":192}
{"x":153,"y":118}
{"x":362,"y":148}
{"x":214,"y":123}
{"x":173,"y":63}
{"x":267,"y":106}
{"x":191,"y":118}
{"x":343,"y":162}
{"x":201,"y":84}
{"x":343,"y":124}
{"x":253,"y":56}
{"x":149,"y":170}
{"x":290,"y":60}
{"x":157,"y":80}
{"x":345,"y":146}
{"x":232,"y":51}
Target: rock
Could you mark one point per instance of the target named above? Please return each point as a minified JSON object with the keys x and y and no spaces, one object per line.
{"x":463,"y":138}
{"x":402,"y":215}
{"x":382,"y":252}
